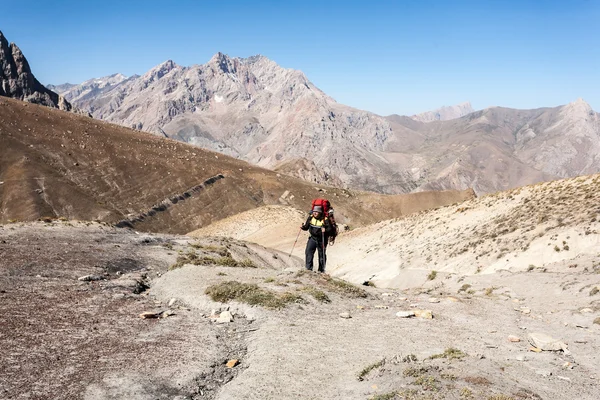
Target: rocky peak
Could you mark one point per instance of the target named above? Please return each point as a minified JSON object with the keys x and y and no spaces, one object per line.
{"x":578,"y":107}
{"x":160,"y":70}
{"x":445,"y":113}
{"x":223,"y":63}
{"x":18,"y":82}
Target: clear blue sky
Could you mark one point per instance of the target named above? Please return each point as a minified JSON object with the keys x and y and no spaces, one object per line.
{"x":387,"y":57}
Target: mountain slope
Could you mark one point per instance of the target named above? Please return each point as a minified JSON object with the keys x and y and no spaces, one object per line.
{"x":18,"y":82}
{"x":498,"y":148}
{"x":56,"y":164}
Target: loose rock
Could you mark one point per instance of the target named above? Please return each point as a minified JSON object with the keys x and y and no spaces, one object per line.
{"x":405,"y":314}
{"x":90,"y":278}
{"x":232,"y":363}
{"x":225,"y":317}
{"x":345,"y":315}
{"x":547,"y":343}
{"x":149,"y":314}
{"x":513,"y":339}
{"x":427,"y":314}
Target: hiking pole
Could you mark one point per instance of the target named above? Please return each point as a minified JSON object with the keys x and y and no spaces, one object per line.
{"x":323,"y":244}
{"x":297,"y":236}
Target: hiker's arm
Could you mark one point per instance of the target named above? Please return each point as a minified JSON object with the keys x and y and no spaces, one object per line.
{"x":305,"y":225}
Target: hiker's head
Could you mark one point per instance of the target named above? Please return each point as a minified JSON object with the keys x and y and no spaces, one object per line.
{"x":317,"y":210}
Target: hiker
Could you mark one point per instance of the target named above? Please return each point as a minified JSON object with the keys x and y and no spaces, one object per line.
{"x":319,"y":228}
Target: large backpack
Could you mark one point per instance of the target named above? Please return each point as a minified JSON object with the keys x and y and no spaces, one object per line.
{"x":328,"y":213}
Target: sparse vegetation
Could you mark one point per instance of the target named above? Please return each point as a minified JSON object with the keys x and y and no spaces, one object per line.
{"x":500,"y":397}
{"x":428,"y":382}
{"x":415,"y":372}
{"x":432,"y":275}
{"x":450,"y":354}
{"x":336,"y":285}
{"x":225,"y":261}
{"x":464,"y":288}
{"x":365,"y":371}
{"x":477,"y":380}
{"x":466,"y":393}
{"x":385,"y":396}
{"x":319,"y":295}
{"x":250,"y":294}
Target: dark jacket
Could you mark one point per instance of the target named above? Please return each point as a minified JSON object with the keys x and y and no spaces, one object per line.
{"x":313,"y":226}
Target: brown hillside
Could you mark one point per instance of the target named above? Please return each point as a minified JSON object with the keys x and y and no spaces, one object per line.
{"x":56,"y":164}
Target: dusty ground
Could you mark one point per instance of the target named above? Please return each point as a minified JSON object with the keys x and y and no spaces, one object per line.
{"x":65,"y":338}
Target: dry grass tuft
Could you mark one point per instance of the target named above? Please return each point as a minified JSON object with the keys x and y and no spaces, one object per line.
{"x":250,"y":294}
{"x":365,"y":371}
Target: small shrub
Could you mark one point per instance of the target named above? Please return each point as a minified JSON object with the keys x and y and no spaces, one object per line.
{"x":319,"y":295}
{"x":530,"y":268}
{"x":466,"y":393}
{"x":250,"y":294}
{"x":269,"y":279}
{"x":415,"y":372}
{"x":344,"y":287}
{"x":427,"y":383}
{"x":489,"y":291}
{"x":464,"y":288}
{"x":594,"y":291}
{"x":450,"y":354}
{"x":597,"y":321}
{"x":556,"y":248}
{"x":432,"y":275}
{"x":362,"y":374}
{"x":477,"y":380}
{"x":247,"y":263}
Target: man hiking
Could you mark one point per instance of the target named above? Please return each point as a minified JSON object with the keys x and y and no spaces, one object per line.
{"x":319,"y":228}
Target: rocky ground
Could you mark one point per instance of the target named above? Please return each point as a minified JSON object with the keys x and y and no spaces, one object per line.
{"x":72,"y":294}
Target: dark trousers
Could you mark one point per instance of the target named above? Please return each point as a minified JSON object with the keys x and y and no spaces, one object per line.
{"x":311,"y":246}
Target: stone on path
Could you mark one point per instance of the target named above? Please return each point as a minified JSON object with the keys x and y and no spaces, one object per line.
{"x":427,"y":314}
{"x":225,"y":317}
{"x":405,"y":314}
{"x":547,"y":343}
{"x":149,"y":314}
{"x":90,"y":278}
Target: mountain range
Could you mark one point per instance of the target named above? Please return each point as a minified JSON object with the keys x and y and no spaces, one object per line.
{"x":253,"y":109}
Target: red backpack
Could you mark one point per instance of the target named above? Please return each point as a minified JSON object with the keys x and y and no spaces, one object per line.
{"x":328,"y":213}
